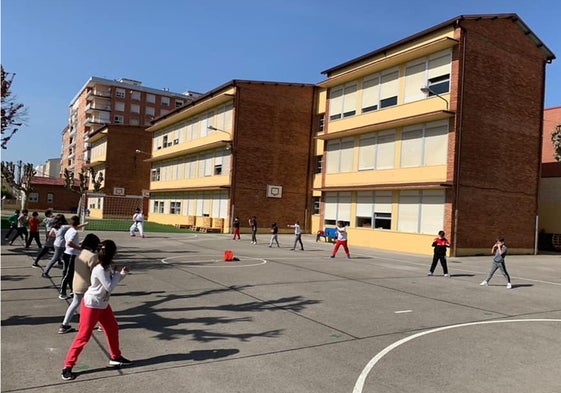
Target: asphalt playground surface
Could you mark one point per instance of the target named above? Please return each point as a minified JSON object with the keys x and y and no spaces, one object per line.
{"x":281,"y":321}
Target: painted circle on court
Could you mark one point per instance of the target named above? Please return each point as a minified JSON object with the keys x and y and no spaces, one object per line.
{"x":212,"y":261}
{"x":359,"y":385}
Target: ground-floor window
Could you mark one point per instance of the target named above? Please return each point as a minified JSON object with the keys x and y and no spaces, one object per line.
{"x":421,"y":211}
{"x":337,"y":208}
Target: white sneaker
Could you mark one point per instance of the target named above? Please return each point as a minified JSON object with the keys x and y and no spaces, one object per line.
{"x":446,"y":275}
{"x":429,"y":274}
{"x":484,"y":283}
{"x":509,"y":286}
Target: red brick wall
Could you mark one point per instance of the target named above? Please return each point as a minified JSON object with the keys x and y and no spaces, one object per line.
{"x":500,"y":141}
{"x":64,"y":200}
{"x":272,"y":145}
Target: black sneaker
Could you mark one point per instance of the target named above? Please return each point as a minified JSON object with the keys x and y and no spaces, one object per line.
{"x":64,"y":329}
{"x":45,"y":275}
{"x":120,"y":361}
{"x":67,"y":374}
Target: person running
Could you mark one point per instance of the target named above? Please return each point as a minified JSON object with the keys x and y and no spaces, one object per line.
{"x":60,"y":227}
{"x":341,"y":240}
{"x":71,"y":250}
{"x":49,"y":244}
{"x":48,"y":222}
{"x":95,"y":308}
{"x":34,"y":233}
{"x":440,"y":245}
{"x":138,"y":223}
{"x":297,"y":236}
{"x":274,"y":235}
{"x":499,"y":251}
{"x":85,"y":262}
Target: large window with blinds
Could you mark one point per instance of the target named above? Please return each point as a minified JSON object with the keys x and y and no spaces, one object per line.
{"x":421,"y":211}
{"x":376,"y":150}
{"x":380,"y":90}
{"x":374,"y":209}
{"x":342,"y":101}
{"x":339,"y":155}
{"x":337,"y":207}
{"x":432,"y":71}
{"x":424,"y":144}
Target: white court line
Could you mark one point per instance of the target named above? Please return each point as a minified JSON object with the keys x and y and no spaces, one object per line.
{"x":359,"y":385}
{"x":223,"y":264}
{"x":402,"y":311}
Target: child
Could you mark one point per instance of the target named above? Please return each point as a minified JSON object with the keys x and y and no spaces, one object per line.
{"x":499,"y":250}
{"x":297,"y":236}
{"x":13,"y":221}
{"x":95,"y":308}
{"x":71,"y":250}
{"x":236,"y":226}
{"x":33,"y":230}
{"x":60,"y":227}
{"x":440,"y":245}
{"x":21,"y":227}
{"x":138,"y":223}
{"x":275,"y":235}
{"x":341,"y":240}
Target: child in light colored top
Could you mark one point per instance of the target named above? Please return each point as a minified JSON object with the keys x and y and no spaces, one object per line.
{"x":95,"y":308}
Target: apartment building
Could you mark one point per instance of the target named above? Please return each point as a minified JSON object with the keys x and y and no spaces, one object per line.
{"x":242,"y":149}
{"x":51,"y":168}
{"x":104,"y":102}
{"x":438,"y":131}
{"x":550,"y":186}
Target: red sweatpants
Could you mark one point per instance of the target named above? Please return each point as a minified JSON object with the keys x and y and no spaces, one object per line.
{"x":340,"y":243}
{"x":89,"y":317}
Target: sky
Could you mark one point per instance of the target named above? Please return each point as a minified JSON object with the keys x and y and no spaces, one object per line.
{"x":55,"y":46}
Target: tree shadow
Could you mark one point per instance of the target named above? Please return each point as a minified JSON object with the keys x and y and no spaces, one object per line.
{"x":514,"y":286}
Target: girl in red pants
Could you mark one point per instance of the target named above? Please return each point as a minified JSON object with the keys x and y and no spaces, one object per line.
{"x":95,"y":308}
{"x":341,"y":240}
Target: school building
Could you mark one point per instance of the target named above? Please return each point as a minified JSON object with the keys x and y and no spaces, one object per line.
{"x":440,"y":130}
{"x":242,"y":149}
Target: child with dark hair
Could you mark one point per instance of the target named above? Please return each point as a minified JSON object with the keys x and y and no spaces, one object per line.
{"x":274,"y":235}
{"x":83,"y":266}
{"x":21,"y":228}
{"x":33,"y":230}
{"x":440,"y":245}
{"x":499,"y":251}
{"x":95,"y":308}
{"x":60,"y":227}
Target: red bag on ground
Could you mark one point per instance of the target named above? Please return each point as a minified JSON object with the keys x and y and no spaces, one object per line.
{"x":228,"y":256}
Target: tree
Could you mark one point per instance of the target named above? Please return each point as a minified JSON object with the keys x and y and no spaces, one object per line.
{"x":19,"y":177}
{"x":556,"y":139}
{"x":83,"y":184}
{"x":14,"y":114}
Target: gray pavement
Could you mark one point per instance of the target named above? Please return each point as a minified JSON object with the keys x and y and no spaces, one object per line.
{"x":291,"y":321}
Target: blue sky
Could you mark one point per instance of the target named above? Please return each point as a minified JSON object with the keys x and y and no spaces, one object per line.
{"x":54,"y":46}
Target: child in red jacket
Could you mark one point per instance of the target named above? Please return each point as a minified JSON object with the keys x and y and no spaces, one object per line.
{"x":34,"y":230}
{"x":440,"y":245}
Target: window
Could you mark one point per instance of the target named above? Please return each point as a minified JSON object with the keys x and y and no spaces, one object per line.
{"x":218,"y":165}
{"x":120,"y":93}
{"x":340,"y":155}
{"x":155,"y":174}
{"x":342,"y":101}
{"x":321,"y":122}
{"x":421,"y":211}
{"x":370,"y":93}
{"x":50,"y":197}
{"x":150,"y":111}
{"x":389,"y":88}
{"x":319,"y":164}
{"x":158,"y":207}
{"x":151,"y":98}
{"x":175,"y":207}
{"x":34,"y":197}
{"x":134,"y":122}
{"x":178,"y":103}
{"x":374,"y":207}
{"x":135,"y":95}
{"x":165,"y":101}
{"x":415,"y":78}
{"x":337,"y":207}
{"x":439,"y":68}
{"x":424,"y":144}
{"x":119,"y":119}
{"x":316,"y":205}
{"x":120,"y":106}
{"x":135,"y":108}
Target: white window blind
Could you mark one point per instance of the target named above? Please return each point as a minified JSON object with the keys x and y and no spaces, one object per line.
{"x":370,"y":93}
{"x":347,"y":155}
{"x":440,"y":64}
{"x":436,"y":145}
{"x":432,"y":211}
{"x":385,"y":150}
{"x":411,"y":147}
{"x":335,"y":103}
{"x":349,"y":100}
{"x":415,"y":78}
{"x":367,"y":151}
{"x":408,"y":212}
{"x":364,"y":204}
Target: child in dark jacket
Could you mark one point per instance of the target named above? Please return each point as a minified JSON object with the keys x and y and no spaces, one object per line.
{"x":440,"y":245}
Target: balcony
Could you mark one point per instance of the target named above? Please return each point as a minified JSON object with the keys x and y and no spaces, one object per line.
{"x":97,"y":106}
{"x":98,"y":93}
{"x":96,"y":120}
